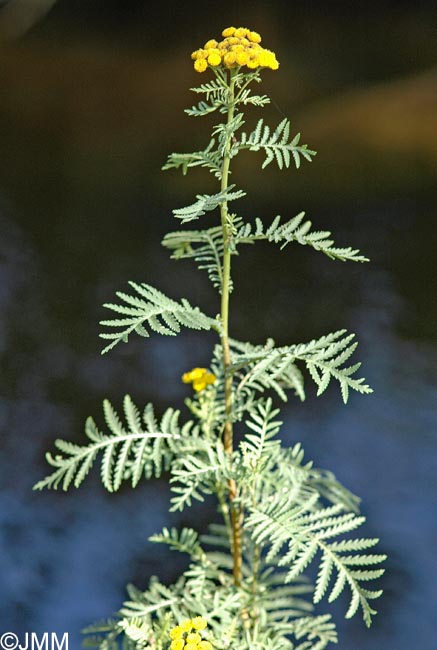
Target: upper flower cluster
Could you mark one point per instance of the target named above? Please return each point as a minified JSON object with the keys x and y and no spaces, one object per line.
{"x":240,"y":47}
{"x":183,"y":637}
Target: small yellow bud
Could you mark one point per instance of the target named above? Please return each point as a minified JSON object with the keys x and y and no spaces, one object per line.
{"x":186,"y":625}
{"x":214,"y":59}
{"x":254,"y":37}
{"x":264,"y":58}
{"x":199,"y":377}
{"x":193,"y":637}
{"x":199,"y":54}
{"x":176,"y":632}
{"x":229,"y":59}
{"x":204,"y":645}
{"x":229,"y":31}
{"x":211,"y":43}
{"x":199,"y":623}
{"x":267,"y":59}
{"x":242,"y":58}
{"x":241,"y":32}
{"x":177,"y":644}
{"x":200,"y":65}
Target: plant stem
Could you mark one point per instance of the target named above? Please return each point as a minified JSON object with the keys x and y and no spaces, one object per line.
{"x":256,"y":563}
{"x":236,"y":511}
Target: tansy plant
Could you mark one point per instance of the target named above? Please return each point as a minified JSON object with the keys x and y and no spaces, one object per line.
{"x":245,"y":588}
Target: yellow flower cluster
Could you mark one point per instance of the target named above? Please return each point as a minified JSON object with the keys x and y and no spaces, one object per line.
{"x":239,"y":47}
{"x":199,"y":377}
{"x":184,"y":638}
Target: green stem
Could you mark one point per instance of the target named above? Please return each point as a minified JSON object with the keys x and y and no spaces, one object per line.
{"x":236,"y":511}
{"x":255,"y":572}
{"x":225,"y":512}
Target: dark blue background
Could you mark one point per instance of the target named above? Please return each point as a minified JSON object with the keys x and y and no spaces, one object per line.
{"x":91,"y":104}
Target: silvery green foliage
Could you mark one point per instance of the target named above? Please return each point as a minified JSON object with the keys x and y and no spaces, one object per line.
{"x":276,"y":145}
{"x":297,"y":230}
{"x":140,"y":448}
{"x":150,"y":308}
{"x":206,"y":246}
{"x":295,"y":514}
{"x":206,"y":203}
{"x":262,"y":367}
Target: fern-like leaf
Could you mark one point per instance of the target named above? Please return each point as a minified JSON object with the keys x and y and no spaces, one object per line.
{"x":242,"y":355}
{"x":212,"y":90}
{"x":202,"y":108}
{"x":296,"y":230}
{"x":206,"y":203}
{"x":158,"y":598}
{"x":305,"y":534}
{"x":209,"y":158}
{"x":276,"y":145}
{"x":196,"y":474}
{"x":268,"y":367}
{"x":105,"y":635}
{"x":257,"y":447}
{"x":246,"y":97}
{"x":185,"y":540}
{"x":155,"y":310}
{"x":137,"y":630}
{"x":291,"y":468}
{"x":225,"y":132}
{"x":205,"y":247}
{"x":318,"y":631}
{"x":127,"y":451}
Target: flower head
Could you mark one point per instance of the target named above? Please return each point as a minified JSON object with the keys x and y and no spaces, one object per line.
{"x":199,"y":623}
{"x":176,"y":632}
{"x":200,"y":65}
{"x":240,"y":47}
{"x":184,"y":639}
{"x":200,"y":378}
{"x":177,"y":644}
{"x":186,"y":625}
{"x":214,"y":57}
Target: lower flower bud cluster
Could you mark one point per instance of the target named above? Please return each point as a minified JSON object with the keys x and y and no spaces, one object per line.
{"x":188,"y":635}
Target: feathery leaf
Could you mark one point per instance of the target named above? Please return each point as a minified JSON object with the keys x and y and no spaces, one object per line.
{"x":155,"y":310}
{"x":127,"y":451}
{"x":296,"y":230}
{"x":276,"y":145}
{"x":305,"y":533}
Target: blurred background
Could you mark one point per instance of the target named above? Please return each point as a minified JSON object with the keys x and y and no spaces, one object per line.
{"x":91,"y":104}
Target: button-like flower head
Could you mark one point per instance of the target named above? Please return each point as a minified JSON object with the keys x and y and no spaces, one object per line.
{"x":182,"y":636}
{"x":200,"y":378}
{"x":199,"y":623}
